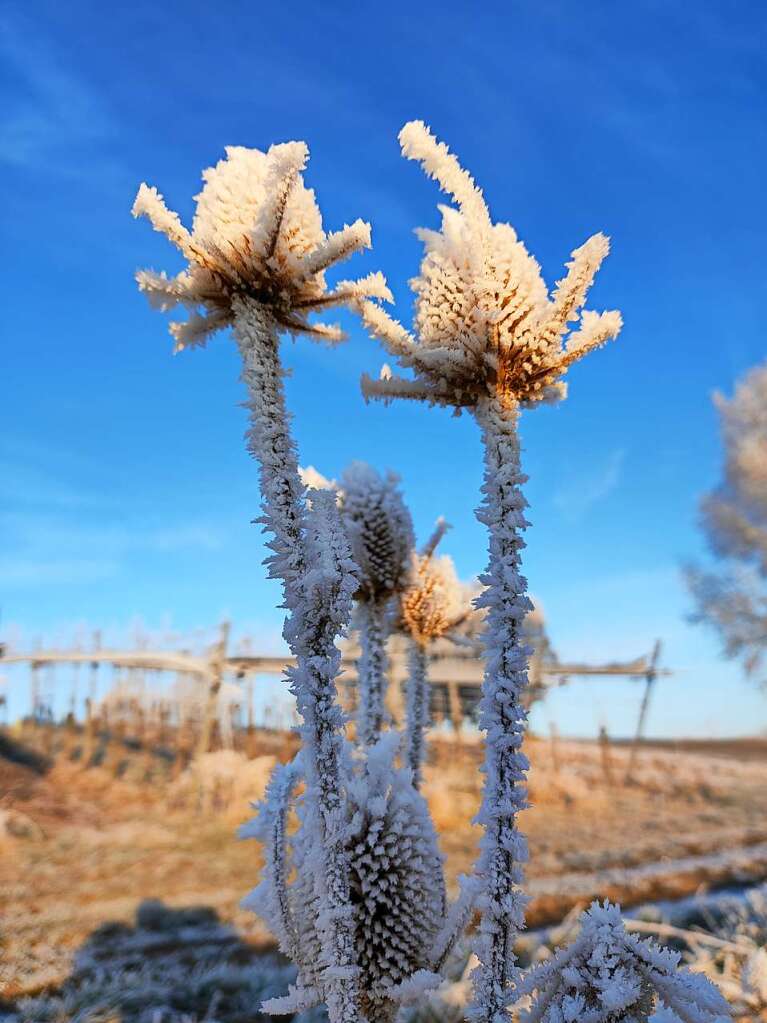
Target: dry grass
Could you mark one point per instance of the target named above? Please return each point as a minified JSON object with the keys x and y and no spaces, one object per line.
{"x":81,"y":847}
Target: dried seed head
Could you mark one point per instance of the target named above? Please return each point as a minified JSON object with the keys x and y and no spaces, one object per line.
{"x":379,"y":529}
{"x":484,"y":322}
{"x":435,"y":599}
{"x":256,"y":235}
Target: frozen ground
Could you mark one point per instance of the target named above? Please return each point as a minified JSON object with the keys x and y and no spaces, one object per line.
{"x":81,"y":849}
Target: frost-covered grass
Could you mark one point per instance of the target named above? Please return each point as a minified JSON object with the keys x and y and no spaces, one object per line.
{"x":173,"y":966}
{"x":738,"y":964}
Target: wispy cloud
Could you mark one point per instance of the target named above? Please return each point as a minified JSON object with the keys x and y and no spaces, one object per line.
{"x":24,"y":571}
{"x":578,"y":494}
{"x":27,"y":486}
{"x":51,"y":119}
{"x":58,"y":528}
{"x":50,"y":549}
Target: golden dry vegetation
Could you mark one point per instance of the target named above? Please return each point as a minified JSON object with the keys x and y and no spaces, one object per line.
{"x":82,"y":847}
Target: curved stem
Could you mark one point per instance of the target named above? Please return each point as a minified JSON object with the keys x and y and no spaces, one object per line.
{"x":371,"y":669}
{"x":316,"y":615}
{"x":417,"y":708}
{"x":503,"y":848}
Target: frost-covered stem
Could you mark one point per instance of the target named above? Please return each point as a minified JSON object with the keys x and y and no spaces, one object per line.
{"x":311,"y":630}
{"x":417,"y":708}
{"x":270,"y":443}
{"x":503,"y":848}
{"x":372,"y":616}
{"x":270,"y":899}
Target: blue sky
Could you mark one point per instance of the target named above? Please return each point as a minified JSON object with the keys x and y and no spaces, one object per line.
{"x":125,"y":491}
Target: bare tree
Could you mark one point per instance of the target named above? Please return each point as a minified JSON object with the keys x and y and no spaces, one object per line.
{"x":733,"y":597}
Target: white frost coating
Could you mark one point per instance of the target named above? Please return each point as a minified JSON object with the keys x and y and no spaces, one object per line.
{"x":412,"y":990}
{"x":607,"y":975}
{"x":456,"y":921}
{"x":419,"y":144}
{"x":503,"y":849}
{"x":256,"y":254}
{"x":323,"y":604}
{"x":270,"y":899}
{"x":416,"y":709}
{"x":372,"y":619}
{"x":489,"y":337}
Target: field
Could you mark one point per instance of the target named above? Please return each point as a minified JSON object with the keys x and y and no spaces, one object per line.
{"x":84,"y":848}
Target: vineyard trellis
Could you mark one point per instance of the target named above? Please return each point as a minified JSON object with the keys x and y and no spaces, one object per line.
{"x":455,"y":676}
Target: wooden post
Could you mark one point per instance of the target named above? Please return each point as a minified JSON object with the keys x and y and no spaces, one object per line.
{"x":554,"y":744}
{"x":73,"y":694}
{"x":652,"y":674}
{"x":89,"y":730}
{"x":456,"y":711}
{"x":34,"y":687}
{"x":217,"y":663}
{"x":94,"y":679}
{"x":607,"y":760}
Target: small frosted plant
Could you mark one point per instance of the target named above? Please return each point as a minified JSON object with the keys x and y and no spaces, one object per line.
{"x":608,"y":976}
{"x":403,"y":928}
{"x":256,"y":257}
{"x":431,"y":606}
{"x":380,"y":533}
{"x":489,"y":339}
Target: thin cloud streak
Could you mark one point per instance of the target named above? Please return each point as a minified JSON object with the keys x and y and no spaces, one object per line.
{"x":579,"y":495}
{"x":52,"y":121}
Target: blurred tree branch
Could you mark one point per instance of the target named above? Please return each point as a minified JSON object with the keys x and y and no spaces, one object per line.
{"x":733,"y":597}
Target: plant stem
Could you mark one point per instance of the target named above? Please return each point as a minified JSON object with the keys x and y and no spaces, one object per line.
{"x":503,"y":848}
{"x":417,"y":708}
{"x":310,"y":629}
{"x":371,"y":669}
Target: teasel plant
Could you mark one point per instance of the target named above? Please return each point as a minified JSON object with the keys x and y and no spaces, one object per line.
{"x":432,"y":606}
{"x":356,"y":893}
{"x":256,"y":260}
{"x":489,"y":339}
{"x":406,"y":931}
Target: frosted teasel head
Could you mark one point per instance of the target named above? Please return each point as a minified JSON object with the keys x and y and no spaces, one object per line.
{"x":379,"y":529}
{"x":398,"y":899}
{"x":256,"y":235}
{"x":485,"y":324}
